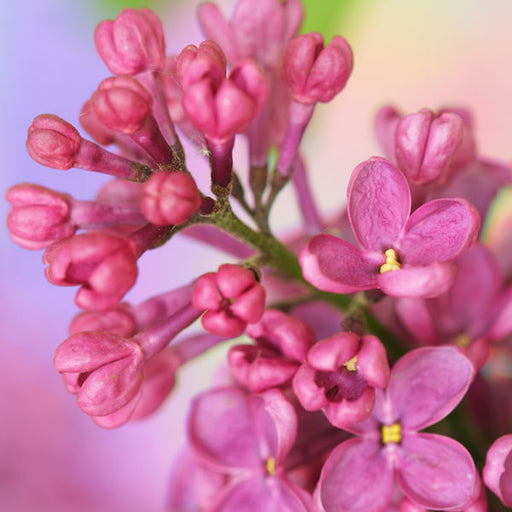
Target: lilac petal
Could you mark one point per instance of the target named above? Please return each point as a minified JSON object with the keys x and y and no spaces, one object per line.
{"x":221,"y":430}
{"x":386,"y":121}
{"x":333,"y":265}
{"x":440,"y":230}
{"x":258,"y":494}
{"x":497,"y":472}
{"x":357,"y":477}
{"x":426,"y":384}
{"x":502,"y":324}
{"x":379,"y":203}
{"x":415,"y":316}
{"x":426,"y":282}
{"x":275,"y":423}
{"x":435,"y":471}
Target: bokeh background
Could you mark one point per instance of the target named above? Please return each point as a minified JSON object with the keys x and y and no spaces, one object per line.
{"x":411,"y":54}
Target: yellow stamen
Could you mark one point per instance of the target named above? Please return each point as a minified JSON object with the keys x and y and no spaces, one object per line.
{"x":391,"y":262}
{"x":463,"y":340}
{"x":270,"y":466}
{"x":391,"y":433}
{"x":350,"y":365}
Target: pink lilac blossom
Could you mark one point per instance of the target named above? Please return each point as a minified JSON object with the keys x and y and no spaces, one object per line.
{"x":309,"y":415}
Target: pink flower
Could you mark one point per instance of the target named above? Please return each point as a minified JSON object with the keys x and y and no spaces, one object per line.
{"x":170,"y":198}
{"x":232,"y":299}
{"x":281,"y":345}
{"x":432,"y":471}
{"x":248,"y":437}
{"x":402,"y":254}
{"x":132,"y":43}
{"x":316,"y":73}
{"x":104,"y":265}
{"x":258,"y":29}
{"x":340,"y":376}
{"x":39,"y":216}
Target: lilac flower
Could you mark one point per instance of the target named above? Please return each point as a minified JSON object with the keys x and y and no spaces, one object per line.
{"x":247,"y":437}
{"x":431,"y":470}
{"x":497,"y":472}
{"x":340,"y":375}
{"x":402,"y":254}
{"x":281,"y":345}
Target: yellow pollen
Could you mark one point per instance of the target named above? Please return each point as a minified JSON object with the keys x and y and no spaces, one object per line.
{"x":391,"y":433}
{"x":391,"y":262}
{"x":463,"y":340}
{"x":270,"y":466}
{"x":350,"y":365}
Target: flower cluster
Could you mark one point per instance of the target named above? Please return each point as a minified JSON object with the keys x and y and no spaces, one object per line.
{"x":354,"y":340}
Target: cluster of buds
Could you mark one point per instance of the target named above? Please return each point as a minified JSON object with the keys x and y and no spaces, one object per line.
{"x":353,"y":340}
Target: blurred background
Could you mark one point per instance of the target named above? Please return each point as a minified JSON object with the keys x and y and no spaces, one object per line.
{"x":410,"y":54}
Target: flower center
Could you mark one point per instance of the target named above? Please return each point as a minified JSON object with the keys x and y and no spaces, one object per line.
{"x":391,"y":433}
{"x":391,"y":263}
{"x":350,"y":365}
{"x":270,"y":466}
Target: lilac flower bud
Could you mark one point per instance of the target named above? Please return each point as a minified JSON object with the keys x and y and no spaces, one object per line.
{"x":221,"y":108}
{"x":53,"y":142}
{"x":316,"y":73}
{"x":110,"y":369}
{"x":118,"y":321}
{"x":425,"y":143}
{"x":170,"y":198}
{"x":122,"y":104}
{"x":281,"y":344}
{"x":232,"y":297}
{"x":104,"y":265}
{"x":39,"y":216}
{"x":132,"y":43}
{"x":340,"y":377}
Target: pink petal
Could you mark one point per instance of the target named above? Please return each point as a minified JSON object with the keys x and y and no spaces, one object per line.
{"x":311,"y":396}
{"x":429,"y":281}
{"x":379,"y":203}
{"x":357,"y":477}
{"x":259,"y":494}
{"x":435,"y":471}
{"x":415,"y":316}
{"x":221,"y":430}
{"x":497,"y":473}
{"x":440,"y":230}
{"x":333,"y":265}
{"x":426,"y":384}
{"x":346,"y":413}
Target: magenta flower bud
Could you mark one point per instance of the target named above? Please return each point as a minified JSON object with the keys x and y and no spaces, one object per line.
{"x":232,"y":299}
{"x":316,"y":73}
{"x":281,"y":345}
{"x":53,"y":142}
{"x":170,"y":198}
{"x":340,"y":376}
{"x":425,"y":143}
{"x":109,"y":368}
{"x":132,"y":43}
{"x":194,"y":63}
{"x":105,"y":266}
{"x":122,"y":104}
{"x":94,"y":127}
{"x":39,"y":216}
{"x":497,"y":473}
{"x":222,"y":108}
{"x":118,"y":321}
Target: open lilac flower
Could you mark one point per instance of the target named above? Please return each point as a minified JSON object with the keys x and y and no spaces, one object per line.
{"x":247,"y":437}
{"x":340,"y":375}
{"x":431,"y":470}
{"x":402,"y":254}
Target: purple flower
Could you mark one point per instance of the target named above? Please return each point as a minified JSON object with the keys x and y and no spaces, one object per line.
{"x":247,"y":437}
{"x":431,"y":470}
{"x":403,"y":254}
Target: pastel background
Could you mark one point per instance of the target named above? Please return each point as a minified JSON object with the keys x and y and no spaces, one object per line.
{"x":411,"y":54}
